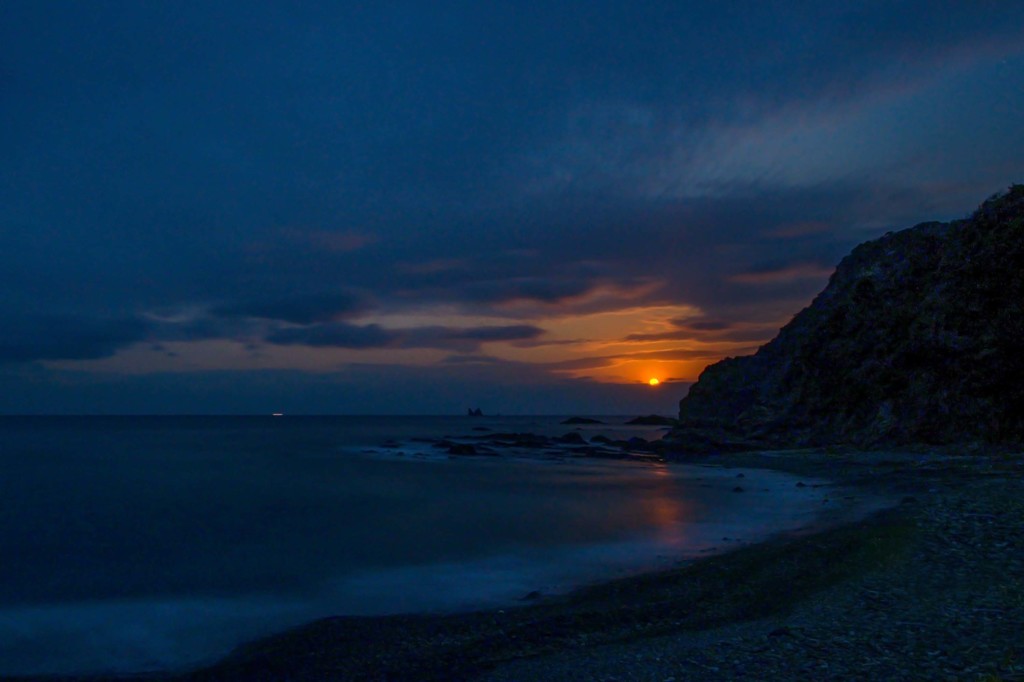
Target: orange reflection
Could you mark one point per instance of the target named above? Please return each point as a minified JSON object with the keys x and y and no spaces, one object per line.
{"x":670,"y":512}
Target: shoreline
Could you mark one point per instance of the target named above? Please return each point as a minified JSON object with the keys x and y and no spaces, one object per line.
{"x":731,"y":614}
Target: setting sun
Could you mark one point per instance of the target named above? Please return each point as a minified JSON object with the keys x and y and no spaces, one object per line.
{"x":654,"y":381}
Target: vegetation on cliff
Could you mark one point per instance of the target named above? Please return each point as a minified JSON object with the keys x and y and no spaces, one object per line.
{"x":916,"y":339}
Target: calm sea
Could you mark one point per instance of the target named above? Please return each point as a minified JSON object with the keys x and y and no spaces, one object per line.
{"x":147,"y":543}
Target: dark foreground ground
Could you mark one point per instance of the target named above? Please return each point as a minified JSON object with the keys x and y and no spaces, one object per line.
{"x":932,"y":588}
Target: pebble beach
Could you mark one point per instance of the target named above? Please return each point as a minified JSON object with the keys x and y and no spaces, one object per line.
{"x":930,"y":588}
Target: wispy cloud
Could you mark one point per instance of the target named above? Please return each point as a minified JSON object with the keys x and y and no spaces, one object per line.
{"x":344,"y":335}
{"x":49,"y":337}
{"x":297,"y":309}
{"x":789,"y":273}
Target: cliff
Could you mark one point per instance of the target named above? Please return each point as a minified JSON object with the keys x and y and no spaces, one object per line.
{"x":917,"y":339}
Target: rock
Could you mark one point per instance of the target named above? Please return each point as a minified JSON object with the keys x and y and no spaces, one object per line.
{"x":600,"y":439}
{"x":716,"y":440}
{"x":652,"y":420}
{"x":915,"y":340}
{"x":582,"y":420}
{"x":520,"y":440}
{"x":572,"y":438}
{"x":462,"y":449}
{"x":737,"y":489}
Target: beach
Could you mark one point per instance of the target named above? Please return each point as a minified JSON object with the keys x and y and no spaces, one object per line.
{"x":928,"y":589}
{"x":155,"y":545}
{"x":912,"y":570}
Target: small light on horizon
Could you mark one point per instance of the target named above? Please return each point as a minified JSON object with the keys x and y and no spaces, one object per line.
{"x":654,"y":381}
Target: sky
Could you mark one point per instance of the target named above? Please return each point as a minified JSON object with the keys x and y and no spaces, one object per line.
{"x":416,"y":208}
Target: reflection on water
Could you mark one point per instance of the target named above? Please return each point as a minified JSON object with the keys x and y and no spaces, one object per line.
{"x":671,"y":510}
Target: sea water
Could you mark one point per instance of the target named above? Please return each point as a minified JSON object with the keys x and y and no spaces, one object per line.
{"x":132,"y":544}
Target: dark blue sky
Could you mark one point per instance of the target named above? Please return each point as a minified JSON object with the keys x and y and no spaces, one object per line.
{"x":418,"y":207}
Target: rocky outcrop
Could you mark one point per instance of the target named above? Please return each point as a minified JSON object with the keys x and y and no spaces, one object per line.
{"x":917,"y":339}
{"x":581,"y":420}
{"x":651,"y":420}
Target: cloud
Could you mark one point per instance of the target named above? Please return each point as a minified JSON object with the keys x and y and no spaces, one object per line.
{"x":545,"y":290}
{"x":344,"y":335}
{"x":799,"y":229}
{"x":701,"y":324}
{"x":749,"y":334}
{"x":198,"y":326}
{"x":431,"y":267}
{"x":829,"y":105}
{"x":676,"y":354}
{"x":539,"y":343}
{"x":784,"y":274}
{"x":678,"y":335}
{"x":466,"y":339}
{"x":472,"y":360}
{"x":52,"y":337}
{"x":516,"y":332}
{"x":708,"y":330}
{"x":683,"y":365}
{"x":297,"y":309}
{"x":335,"y":335}
{"x":342,"y":241}
{"x":707,"y":155}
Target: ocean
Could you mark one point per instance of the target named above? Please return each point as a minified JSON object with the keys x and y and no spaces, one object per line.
{"x":133,"y":544}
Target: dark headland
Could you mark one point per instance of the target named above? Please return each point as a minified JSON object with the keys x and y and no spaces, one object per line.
{"x":905,"y":377}
{"x":916,"y":341}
